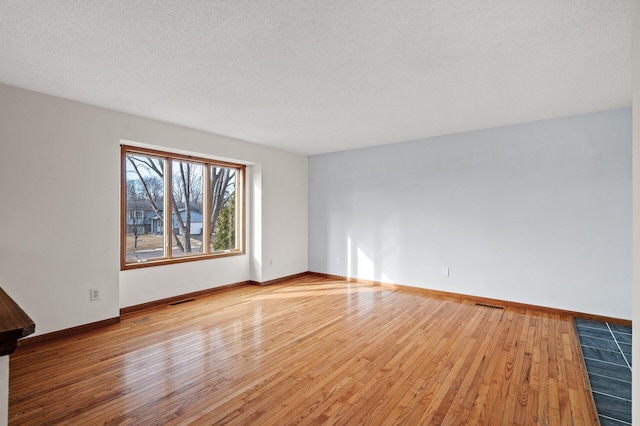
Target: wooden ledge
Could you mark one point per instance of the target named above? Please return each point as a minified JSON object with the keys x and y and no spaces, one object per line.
{"x":14,"y":324}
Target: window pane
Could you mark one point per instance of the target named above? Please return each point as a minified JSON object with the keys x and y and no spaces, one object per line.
{"x":204,"y":200}
{"x":144,"y":203}
{"x":186,"y":217}
{"x":223,"y":209}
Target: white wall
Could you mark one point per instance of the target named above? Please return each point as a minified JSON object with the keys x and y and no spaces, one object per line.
{"x":59,"y":189}
{"x":636,"y":213}
{"x":536,"y":213}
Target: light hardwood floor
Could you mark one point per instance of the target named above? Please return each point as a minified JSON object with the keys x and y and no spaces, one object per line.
{"x":309,"y":351}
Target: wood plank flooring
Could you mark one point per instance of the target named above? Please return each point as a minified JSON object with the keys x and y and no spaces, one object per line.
{"x":309,"y":351}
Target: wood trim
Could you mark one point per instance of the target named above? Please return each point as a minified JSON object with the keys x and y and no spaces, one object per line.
{"x":167,"y":212}
{"x":338,"y":277}
{"x":206,"y":205}
{"x":175,"y":260}
{"x":168,"y":259}
{"x":279,"y":280}
{"x":123,"y":206}
{"x":480,"y":299}
{"x":169,"y":300}
{"x":241,"y":234}
{"x":67,"y":332}
{"x":179,"y":156}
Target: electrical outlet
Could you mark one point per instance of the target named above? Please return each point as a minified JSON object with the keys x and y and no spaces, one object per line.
{"x":270,"y":262}
{"x":337,"y":261}
{"x":94,"y":294}
{"x":445,"y":271}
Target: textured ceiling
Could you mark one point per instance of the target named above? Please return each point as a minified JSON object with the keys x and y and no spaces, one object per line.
{"x":319,"y":76}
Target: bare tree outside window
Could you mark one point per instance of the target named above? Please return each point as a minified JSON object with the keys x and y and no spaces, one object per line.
{"x":144,"y":187}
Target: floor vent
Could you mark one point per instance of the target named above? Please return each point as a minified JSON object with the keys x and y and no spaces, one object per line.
{"x":181,"y":302}
{"x":489,"y":306}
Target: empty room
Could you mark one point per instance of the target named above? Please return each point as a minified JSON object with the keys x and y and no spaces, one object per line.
{"x":318,"y":212}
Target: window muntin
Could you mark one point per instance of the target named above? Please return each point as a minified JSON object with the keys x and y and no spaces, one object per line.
{"x":205,"y":200}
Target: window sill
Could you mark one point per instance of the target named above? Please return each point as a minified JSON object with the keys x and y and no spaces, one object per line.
{"x":164,"y":261}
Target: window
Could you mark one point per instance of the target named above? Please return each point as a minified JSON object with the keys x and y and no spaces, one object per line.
{"x":178,"y":208}
{"x":135,"y":214}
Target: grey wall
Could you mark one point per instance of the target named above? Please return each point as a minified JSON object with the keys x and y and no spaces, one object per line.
{"x":635,"y":397}
{"x":536,"y":213}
